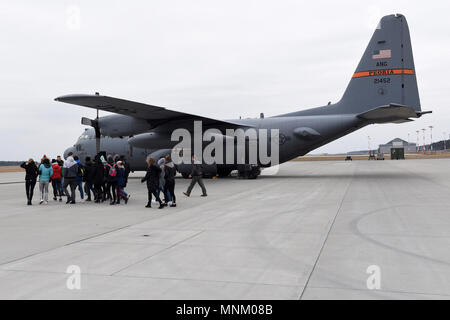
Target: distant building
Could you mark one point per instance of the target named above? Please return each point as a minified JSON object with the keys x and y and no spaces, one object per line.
{"x":397,"y":143}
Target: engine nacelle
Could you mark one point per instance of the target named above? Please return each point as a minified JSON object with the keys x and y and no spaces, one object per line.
{"x":121,"y":125}
{"x":151,"y":140}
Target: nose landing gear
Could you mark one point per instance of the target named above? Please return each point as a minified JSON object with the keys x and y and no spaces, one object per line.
{"x":248,"y":171}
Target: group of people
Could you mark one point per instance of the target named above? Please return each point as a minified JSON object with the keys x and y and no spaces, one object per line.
{"x":160,"y":177}
{"x":104,"y":179}
{"x":47,"y":173}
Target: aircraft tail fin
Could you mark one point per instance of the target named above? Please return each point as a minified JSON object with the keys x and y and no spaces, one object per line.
{"x":386,"y":75}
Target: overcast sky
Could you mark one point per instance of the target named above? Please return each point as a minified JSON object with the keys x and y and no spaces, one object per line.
{"x":221,"y":59}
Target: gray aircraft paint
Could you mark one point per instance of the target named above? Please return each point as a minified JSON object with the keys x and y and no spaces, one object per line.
{"x":382,"y":90}
{"x":85,"y":146}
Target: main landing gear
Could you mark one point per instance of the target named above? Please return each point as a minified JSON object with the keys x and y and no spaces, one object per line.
{"x":247,"y":171}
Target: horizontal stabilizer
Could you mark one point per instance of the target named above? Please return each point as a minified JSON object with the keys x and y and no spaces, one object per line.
{"x":392,"y":113}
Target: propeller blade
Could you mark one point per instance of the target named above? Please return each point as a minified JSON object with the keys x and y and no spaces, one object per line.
{"x":94,"y":124}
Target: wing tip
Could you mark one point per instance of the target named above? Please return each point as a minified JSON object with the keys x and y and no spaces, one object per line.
{"x":72,"y":96}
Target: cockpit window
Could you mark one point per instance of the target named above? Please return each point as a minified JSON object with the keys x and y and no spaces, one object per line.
{"x":86,"y":135}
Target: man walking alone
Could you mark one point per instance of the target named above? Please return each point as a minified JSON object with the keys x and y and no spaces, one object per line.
{"x":196,"y":175}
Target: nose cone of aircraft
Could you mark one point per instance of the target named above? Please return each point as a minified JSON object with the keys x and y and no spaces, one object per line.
{"x":68,"y":150}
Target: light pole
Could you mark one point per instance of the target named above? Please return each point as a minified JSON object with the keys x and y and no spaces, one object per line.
{"x":445,"y":141}
{"x":431,"y":137}
{"x":408,"y":144}
{"x":423,"y":130}
{"x":417,"y":144}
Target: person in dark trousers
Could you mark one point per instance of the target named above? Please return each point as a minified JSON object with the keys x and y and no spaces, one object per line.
{"x":70,"y":175}
{"x":31,"y":173}
{"x":196,"y":175}
{"x":162,"y":181}
{"x":170,"y":173}
{"x":105,"y":174}
{"x":60,"y":162}
{"x":127,"y":169}
{"x":56,"y":180}
{"x":79,"y":177}
{"x":111,"y":180}
{"x":89,"y":176}
{"x":121,"y":194}
{"x":152,"y":178}
{"x":99,"y":177}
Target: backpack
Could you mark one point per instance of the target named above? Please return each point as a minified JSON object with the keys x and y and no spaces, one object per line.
{"x":112,"y":170}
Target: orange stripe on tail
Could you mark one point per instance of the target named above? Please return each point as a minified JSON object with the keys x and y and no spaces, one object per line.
{"x":383,"y":72}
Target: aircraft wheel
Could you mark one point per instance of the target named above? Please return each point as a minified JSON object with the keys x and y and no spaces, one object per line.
{"x":249,"y":173}
{"x":224,"y":172}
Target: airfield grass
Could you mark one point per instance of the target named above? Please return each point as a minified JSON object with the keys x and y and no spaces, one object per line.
{"x":11,"y":169}
{"x":308,"y":158}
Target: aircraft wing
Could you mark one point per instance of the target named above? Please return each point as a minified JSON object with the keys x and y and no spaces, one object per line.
{"x":153,"y":114}
{"x":394,"y":113}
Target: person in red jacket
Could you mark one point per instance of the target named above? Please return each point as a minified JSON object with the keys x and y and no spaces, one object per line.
{"x":56,"y":180}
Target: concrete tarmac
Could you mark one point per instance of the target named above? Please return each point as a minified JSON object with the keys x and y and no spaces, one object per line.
{"x":309,"y":232}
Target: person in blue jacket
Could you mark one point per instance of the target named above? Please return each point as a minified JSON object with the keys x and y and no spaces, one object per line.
{"x":121,"y":182}
{"x":45,"y":172}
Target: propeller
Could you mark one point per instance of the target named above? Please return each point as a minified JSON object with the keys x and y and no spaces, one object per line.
{"x":97,"y":135}
{"x":95,"y":124}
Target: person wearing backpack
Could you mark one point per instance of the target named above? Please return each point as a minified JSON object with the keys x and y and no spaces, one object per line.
{"x":79,"y":176}
{"x":111,"y":179}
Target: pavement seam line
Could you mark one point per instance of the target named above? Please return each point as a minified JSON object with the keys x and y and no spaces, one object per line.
{"x":61,"y":246}
{"x":327,"y":235}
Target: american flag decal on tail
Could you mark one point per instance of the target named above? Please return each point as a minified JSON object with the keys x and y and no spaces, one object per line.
{"x":382,"y":54}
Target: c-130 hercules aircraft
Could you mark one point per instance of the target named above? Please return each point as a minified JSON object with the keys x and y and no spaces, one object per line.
{"x":383,"y":89}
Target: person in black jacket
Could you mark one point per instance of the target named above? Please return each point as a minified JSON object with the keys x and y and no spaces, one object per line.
{"x":111,"y":179}
{"x":152,"y":178}
{"x":89,"y":175}
{"x":196,"y":175}
{"x":98,"y":178}
{"x":169,"y":186}
{"x":31,"y":173}
{"x":70,"y":174}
